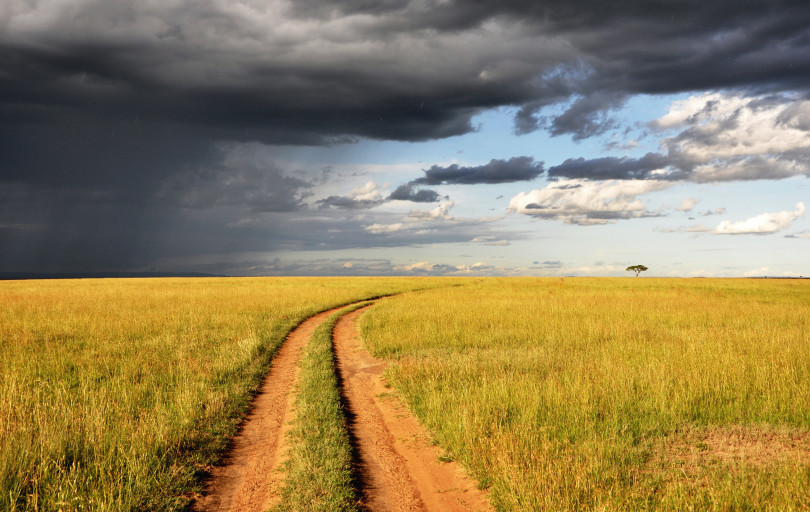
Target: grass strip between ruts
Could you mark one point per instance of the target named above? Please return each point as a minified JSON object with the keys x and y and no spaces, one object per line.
{"x":319,"y":468}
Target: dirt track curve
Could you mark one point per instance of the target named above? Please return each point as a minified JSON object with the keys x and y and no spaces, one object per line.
{"x":397,"y":468}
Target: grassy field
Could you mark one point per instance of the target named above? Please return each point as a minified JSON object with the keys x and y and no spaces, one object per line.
{"x":574,"y":394}
{"x":612,"y":394}
{"x":113,"y":393}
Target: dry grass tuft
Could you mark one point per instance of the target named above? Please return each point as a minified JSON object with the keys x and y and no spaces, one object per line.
{"x":737,"y":446}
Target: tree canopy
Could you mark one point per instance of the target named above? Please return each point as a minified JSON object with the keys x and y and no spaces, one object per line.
{"x":637,"y":269}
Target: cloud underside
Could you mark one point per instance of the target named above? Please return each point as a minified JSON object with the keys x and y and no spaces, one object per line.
{"x":405,"y":70}
{"x":360,"y":198}
{"x":587,"y":202}
{"x":408,"y":192}
{"x":522,"y":168}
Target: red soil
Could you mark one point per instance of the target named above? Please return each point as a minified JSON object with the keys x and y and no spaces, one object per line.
{"x":397,"y":467}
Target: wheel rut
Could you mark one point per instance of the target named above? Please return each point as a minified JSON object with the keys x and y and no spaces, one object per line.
{"x":396,"y":466}
{"x":249,"y":477}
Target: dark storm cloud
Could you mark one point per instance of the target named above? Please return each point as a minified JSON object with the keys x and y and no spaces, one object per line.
{"x":47,"y":229}
{"x":239,"y":71}
{"x":408,"y":192}
{"x":259,"y":189}
{"x":608,"y":168}
{"x":520,"y":168}
{"x":655,"y":166}
{"x":347,"y":203}
{"x":587,"y":116}
{"x":93,"y":226}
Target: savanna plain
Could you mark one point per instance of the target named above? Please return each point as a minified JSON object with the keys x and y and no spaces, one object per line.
{"x":553,"y":394}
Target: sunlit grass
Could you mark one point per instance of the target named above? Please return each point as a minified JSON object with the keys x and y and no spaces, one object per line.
{"x":600,"y":394}
{"x":114,"y":393}
{"x":585,"y":393}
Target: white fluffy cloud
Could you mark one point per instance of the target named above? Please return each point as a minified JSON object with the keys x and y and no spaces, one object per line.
{"x":423,"y":266}
{"x":379,"y":229}
{"x":763,"y":224}
{"x":475,"y":267}
{"x":417,"y":220}
{"x":723,"y":125}
{"x":727,"y":137}
{"x":371,"y":191}
{"x":369,"y":195}
{"x":750,"y":168}
{"x":441,"y":212}
{"x":588,"y":202}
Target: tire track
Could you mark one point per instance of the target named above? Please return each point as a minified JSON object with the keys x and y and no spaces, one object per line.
{"x":397,"y":468}
{"x":249,"y":477}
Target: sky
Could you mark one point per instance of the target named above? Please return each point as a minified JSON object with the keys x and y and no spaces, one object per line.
{"x":405,"y":137}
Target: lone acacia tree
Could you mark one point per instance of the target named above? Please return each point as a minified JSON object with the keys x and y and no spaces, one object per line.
{"x":638,"y":269}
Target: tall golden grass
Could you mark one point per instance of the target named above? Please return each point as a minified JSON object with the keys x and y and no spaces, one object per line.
{"x":612,"y":394}
{"x":594,"y":394}
{"x":114,"y":394}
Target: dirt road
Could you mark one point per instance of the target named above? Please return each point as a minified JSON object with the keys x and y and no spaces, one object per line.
{"x":396,"y":467}
{"x":249,"y":478}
